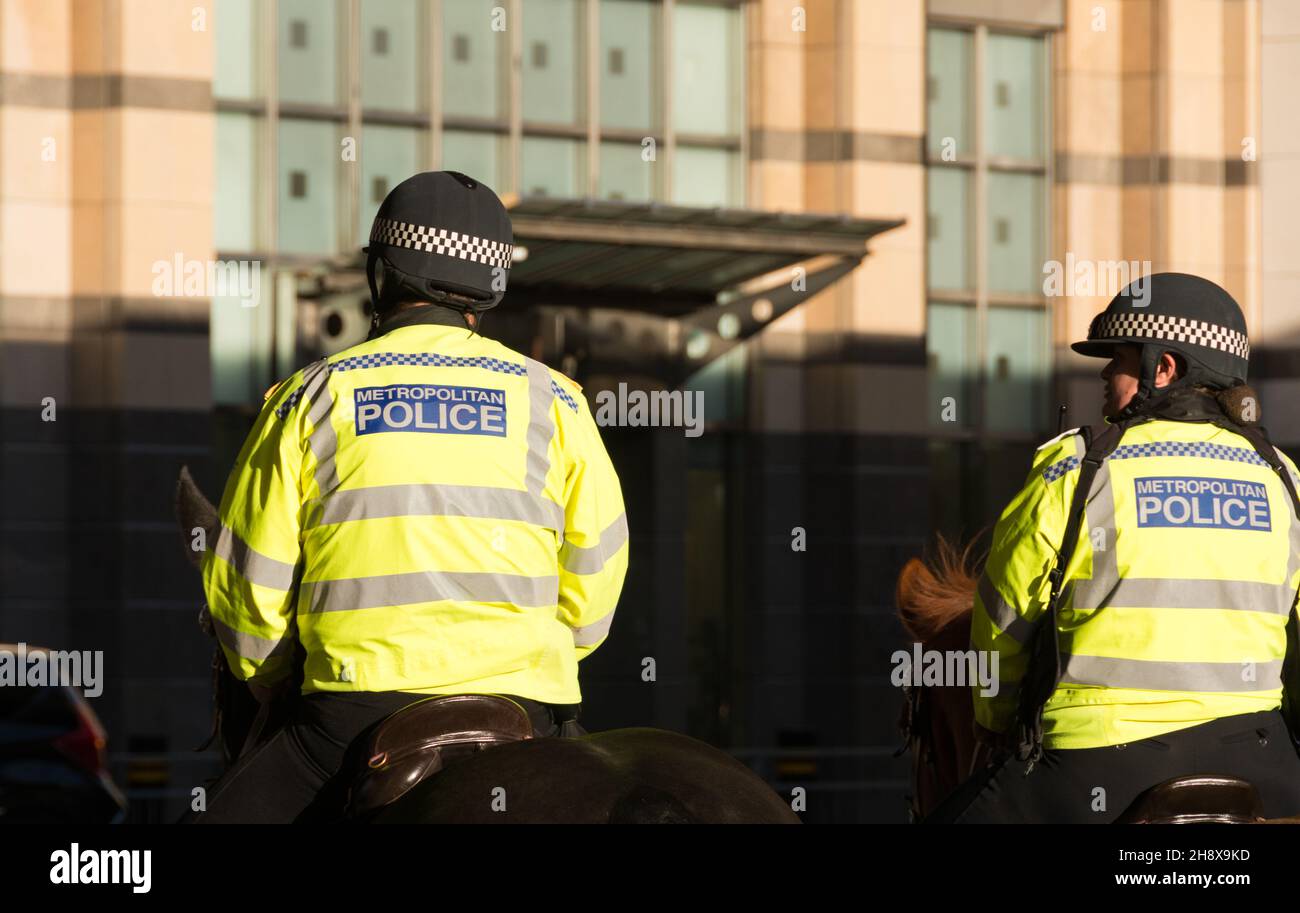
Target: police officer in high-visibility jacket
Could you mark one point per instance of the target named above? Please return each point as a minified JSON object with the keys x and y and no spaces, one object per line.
{"x":1173,"y":611}
{"x":428,"y":512}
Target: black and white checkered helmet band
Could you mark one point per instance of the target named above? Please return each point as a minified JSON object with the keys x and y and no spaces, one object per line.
{"x":1174,"y":329}
{"x":441,"y":241}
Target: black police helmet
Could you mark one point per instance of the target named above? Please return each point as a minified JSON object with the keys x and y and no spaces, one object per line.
{"x":436,"y":233}
{"x":1174,"y":312}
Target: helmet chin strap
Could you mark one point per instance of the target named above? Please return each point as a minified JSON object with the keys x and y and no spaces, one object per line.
{"x":381,"y":297}
{"x":374,"y":296}
{"x":1148,"y":394}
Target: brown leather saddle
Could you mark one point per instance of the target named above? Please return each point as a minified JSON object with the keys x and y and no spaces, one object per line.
{"x":1202,"y":799}
{"x":422,"y":738}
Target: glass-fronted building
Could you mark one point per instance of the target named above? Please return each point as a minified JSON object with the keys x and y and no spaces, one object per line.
{"x":831,"y":217}
{"x":322,"y":107}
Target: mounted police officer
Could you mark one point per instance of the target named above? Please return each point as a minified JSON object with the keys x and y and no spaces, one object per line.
{"x":1140,"y":589}
{"x":426,"y":513}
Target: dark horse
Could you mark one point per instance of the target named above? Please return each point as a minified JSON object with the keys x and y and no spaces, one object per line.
{"x":620,"y":776}
{"x":934,"y":601}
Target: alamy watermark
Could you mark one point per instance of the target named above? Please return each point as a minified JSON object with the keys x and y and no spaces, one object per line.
{"x":178,"y":277}
{"x":1097,"y":278}
{"x":81,"y":669}
{"x":77,"y":866}
{"x":952,"y":668}
{"x":653,"y":408}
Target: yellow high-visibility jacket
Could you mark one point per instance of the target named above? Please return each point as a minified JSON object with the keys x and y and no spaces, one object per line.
{"x":1174,"y":604}
{"x":428,"y":511}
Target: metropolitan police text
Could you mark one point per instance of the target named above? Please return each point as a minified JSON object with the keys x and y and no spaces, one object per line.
{"x":431,"y":408}
{"x":1174,"y":501}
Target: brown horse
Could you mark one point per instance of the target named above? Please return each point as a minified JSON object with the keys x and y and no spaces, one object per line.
{"x":621,"y":776}
{"x":934,"y":602}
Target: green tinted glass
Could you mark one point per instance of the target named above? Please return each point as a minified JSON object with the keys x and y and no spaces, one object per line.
{"x":308,"y":52}
{"x":1013,"y":97}
{"x":948,"y":227}
{"x":1015,"y":233}
{"x":948,"y":97}
{"x":1016,"y":368}
{"x":949,"y":340}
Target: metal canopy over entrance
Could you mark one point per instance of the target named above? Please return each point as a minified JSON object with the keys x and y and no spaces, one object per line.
{"x":643,"y":288}
{"x":669,"y":260}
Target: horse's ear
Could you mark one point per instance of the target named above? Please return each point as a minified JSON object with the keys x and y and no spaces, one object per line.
{"x":912,"y":579}
{"x":907,"y":579}
{"x":194,"y":511}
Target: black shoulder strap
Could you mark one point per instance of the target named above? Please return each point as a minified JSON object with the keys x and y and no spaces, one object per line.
{"x":1044,"y":669}
{"x":1258,"y":438}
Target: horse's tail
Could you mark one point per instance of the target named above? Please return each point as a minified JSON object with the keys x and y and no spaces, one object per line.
{"x":193,"y":511}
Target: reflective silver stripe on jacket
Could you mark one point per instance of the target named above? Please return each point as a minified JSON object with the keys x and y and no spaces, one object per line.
{"x":541,"y":427}
{"x":323,"y":441}
{"x":427,"y":586}
{"x":1099,"y":517}
{"x":1200,"y":593}
{"x":1293,"y":560}
{"x":251,"y":646}
{"x":251,"y":564}
{"x":1149,"y":675}
{"x":1003,"y":614}
{"x":593,"y":633}
{"x":479,"y":501}
{"x":589,"y":560}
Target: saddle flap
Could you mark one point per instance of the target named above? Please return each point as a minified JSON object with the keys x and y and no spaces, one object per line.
{"x":1202,"y":799}
{"x":416,"y":742}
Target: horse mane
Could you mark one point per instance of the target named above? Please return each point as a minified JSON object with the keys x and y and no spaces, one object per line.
{"x":930,"y":595}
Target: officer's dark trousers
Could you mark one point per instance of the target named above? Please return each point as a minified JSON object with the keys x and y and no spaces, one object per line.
{"x":1063,"y":786}
{"x":301,"y":773}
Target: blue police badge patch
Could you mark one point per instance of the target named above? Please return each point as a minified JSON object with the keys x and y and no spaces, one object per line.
{"x":430,"y":408}
{"x":1190,"y":502}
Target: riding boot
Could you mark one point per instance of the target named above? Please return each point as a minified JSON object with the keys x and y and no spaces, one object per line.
{"x":566,"y":717}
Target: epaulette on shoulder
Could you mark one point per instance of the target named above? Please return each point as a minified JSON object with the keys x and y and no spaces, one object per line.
{"x":1060,"y":437}
{"x":272,"y":391}
{"x":567,"y":381}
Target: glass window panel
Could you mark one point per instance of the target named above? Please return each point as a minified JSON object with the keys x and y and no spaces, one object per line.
{"x":391,"y":54}
{"x":553,"y":90}
{"x":624,"y":175}
{"x":238,"y":343}
{"x":235,"y":25}
{"x":554,"y":167}
{"x":707,"y":75}
{"x":706,"y":177}
{"x":479,"y":155}
{"x":473,"y":56}
{"x":1013,"y":96}
{"x":389,"y":155}
{"x":722,"y":381}
{"x":948,"y":96}
{"x":629,"y":64}
{"x":1016,"y":371}
{"x":308,"y":52}
{"x":233,"y":208}
{"x":308,"y":192}
{"x":947,"y":225}
{"x":1015,"y":233}
{"x":949,"y":342}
